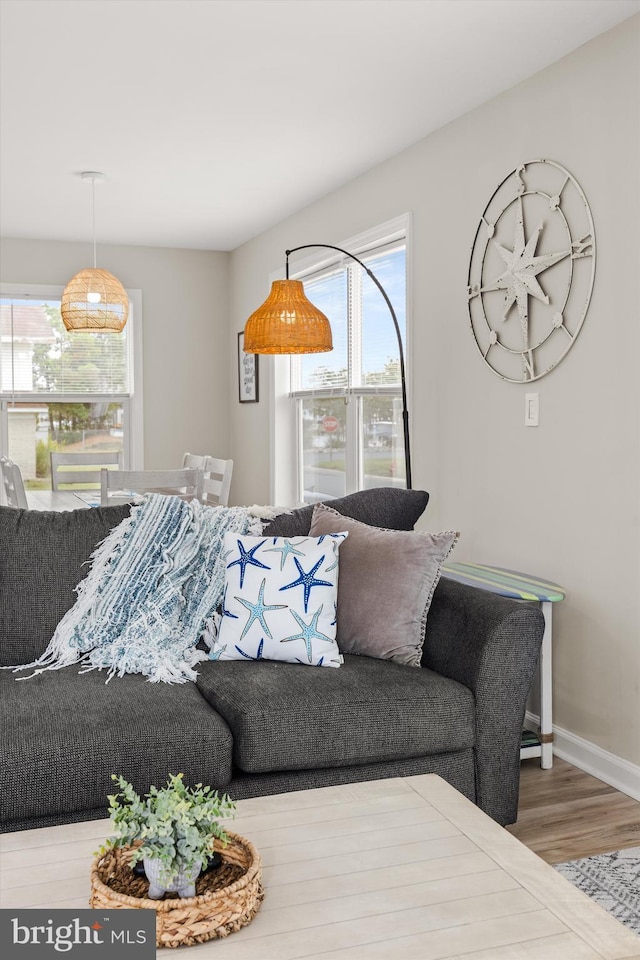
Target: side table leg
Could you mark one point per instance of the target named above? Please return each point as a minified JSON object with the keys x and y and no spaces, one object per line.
{"x":546,"y":690}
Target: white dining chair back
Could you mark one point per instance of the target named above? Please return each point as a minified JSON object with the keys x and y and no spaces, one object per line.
{"x":68,"y":470}
{"x":12,"y":484}
{"x":123,"y":486}
{"x":216,"y":482}
{"x":217,"y":477}
{"x":193,"y":461}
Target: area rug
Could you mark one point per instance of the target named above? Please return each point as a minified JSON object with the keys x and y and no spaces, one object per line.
{"x":612,"y":880}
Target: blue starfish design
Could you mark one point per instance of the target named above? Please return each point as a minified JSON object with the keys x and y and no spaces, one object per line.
{"x":319,"y":662}
{"x":334,"y":622}
{"x":225,"y":611}
{"x":307,"y":580}
{"x":285,"y":551}
{"x":246,"y":559}
{"x":247,"y":656}
{"x":309,"y":631}
{"x":216,"y":654}
{"x":335,"y":553}
{"x":257,"y":611}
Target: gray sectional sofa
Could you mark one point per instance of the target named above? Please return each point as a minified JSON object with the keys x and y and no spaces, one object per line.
{"x":254,"y":727}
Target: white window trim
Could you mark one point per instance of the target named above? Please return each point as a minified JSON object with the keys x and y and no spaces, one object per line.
{"x":134,"y":453}
{"x":284,"y":442}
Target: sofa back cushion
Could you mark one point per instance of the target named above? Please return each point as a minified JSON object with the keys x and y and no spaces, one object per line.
{"x":390,"y":507}
{"x":43,"y":557}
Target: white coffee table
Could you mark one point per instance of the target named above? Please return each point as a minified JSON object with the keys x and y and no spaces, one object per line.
{"x":398,"y":869}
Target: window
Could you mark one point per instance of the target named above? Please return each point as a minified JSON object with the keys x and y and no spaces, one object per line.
{"x":64,"y":391}
{"x":348,"y":403}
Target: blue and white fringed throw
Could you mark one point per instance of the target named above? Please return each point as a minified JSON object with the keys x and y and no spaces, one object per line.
{"x":154,"y":582}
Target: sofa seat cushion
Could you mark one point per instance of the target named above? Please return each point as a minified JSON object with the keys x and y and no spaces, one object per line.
{"x":288,"y":717}
{"x":63,"y":734}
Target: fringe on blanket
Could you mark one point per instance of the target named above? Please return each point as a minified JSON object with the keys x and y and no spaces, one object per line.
{"x":155,"y":582}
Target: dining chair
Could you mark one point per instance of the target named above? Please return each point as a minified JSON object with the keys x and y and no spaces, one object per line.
{"x":123,"y":486}
{"x":70,"y":469}
{"x":217,"y":477}
{"x":216,"y":481}
{"x":12,"y":484}
{"x":193,"y":461}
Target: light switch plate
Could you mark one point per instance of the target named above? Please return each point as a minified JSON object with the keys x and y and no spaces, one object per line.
{"x":531,"y":409}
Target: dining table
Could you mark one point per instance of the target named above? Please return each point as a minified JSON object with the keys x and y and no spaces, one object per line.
{"x":58,"y":500}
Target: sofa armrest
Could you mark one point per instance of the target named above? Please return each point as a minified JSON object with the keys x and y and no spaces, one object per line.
{"x":491,"y":644}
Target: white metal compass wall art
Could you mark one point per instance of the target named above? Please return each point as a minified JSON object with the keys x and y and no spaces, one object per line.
{"x":531,"y":271}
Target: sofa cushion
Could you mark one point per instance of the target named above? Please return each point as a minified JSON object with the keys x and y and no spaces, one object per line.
{"x":42,"y":555}
{"x":63,"y":734}
{"x":387,"y":579}
{"x":390,"y":507}
{"x":285,"y":717}
{"x":280,"y":596}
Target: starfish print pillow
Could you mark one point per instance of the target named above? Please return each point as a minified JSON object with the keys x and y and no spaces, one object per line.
{"x":280,"y":600}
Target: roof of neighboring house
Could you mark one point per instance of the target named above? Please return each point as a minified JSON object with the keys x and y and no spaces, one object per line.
{"x":30,"y":322}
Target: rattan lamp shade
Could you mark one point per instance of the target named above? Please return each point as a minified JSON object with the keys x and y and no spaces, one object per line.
{"x":287,"y":323}
{"x":94,"y":300}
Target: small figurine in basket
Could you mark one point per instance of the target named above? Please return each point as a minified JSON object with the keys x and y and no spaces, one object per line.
{"x":175,"y":827}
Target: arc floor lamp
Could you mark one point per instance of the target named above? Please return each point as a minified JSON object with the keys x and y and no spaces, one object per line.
{"x":287,"y":322}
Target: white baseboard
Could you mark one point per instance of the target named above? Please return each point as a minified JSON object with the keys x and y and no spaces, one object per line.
{"x":587,"y":756}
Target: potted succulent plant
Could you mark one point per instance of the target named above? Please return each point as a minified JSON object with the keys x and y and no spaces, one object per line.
{"x":175,"y":827}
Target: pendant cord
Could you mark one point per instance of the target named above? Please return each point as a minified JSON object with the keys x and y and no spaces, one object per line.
{"x":93,"y":199}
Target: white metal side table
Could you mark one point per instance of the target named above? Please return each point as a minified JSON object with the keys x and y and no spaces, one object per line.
{"x":522,"y":586}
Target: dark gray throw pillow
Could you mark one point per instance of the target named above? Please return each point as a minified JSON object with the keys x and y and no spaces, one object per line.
{"x":386,"y":580}
{"x":390,"y":507}
{"x":43,"y":557}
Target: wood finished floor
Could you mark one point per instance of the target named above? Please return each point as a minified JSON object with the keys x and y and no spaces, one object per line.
{"x":565,"y":814}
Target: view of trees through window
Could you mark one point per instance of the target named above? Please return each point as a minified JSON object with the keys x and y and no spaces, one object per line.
{"x":58,"y":390}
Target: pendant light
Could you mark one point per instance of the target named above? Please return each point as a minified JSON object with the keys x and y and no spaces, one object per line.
{"x":287,"y":322}
{"x":94,"y":300}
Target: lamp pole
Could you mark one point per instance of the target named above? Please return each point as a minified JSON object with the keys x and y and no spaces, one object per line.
{"x":405,"y":412}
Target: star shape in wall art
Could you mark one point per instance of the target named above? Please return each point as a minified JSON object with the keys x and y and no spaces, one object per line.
{"x":307,"y":580}
{"x":522,"y":266}
{"x":257,"y":611}
{"x":247,"y":558}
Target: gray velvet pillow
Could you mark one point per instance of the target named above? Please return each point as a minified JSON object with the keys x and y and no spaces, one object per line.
{"x":385,"y":584}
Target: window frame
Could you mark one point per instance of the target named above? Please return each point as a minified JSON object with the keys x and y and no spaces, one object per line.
{"x":286,"y":480}
{"x":133,"y":438}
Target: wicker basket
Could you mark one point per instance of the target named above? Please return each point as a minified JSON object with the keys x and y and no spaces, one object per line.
{"x":226,"y":899}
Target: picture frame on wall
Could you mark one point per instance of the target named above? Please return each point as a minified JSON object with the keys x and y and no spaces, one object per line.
{"x":247,"y":373}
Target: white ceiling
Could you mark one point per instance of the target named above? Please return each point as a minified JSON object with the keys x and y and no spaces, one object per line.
{"x":215,"y":119}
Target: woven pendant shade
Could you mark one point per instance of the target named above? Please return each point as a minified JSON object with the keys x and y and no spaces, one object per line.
{"x":287,"y":323}
{"x":94,"y":300}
